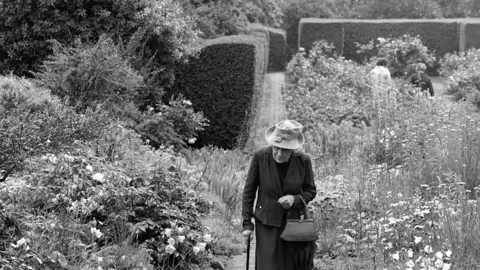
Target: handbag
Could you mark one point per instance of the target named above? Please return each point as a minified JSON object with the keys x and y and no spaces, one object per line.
{"x":300,"y":230}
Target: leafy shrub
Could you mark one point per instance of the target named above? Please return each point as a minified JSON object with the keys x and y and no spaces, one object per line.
{"x":93,"y":206}
{"x":90,"y":75}
{"x":225,"y":83}
{"x":33,"y":122}
{"x":400,"y":52}
{"x":25,"y":45}
{"x":463,"y":78}
{"x":175,"y":124}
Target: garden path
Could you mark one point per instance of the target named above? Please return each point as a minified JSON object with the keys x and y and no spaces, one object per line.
{"x":272,"y":110}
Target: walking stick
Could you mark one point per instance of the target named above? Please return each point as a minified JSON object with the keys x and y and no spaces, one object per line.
{"x":248,"y":251}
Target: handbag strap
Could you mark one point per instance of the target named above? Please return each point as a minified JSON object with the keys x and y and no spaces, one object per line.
{"x":304,"y":211}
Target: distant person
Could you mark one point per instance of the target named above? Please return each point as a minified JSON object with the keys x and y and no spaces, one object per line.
{"x":380,"y":75}
{"x":421,"y":80}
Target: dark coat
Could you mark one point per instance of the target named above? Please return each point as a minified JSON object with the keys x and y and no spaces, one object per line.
{"x":272,"y":253}
{"x":263,"y":175}
{"x":423,"y":81}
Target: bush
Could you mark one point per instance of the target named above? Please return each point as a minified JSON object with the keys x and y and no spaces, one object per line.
{"x":311,"y":30}
{"x":401,"y":53}
{"x":25,"y":43}
{"x":463,"y":78}
{"x":326,"y":92}
{"x":32,"y":123}
{"x":439,"y":36}
{"x":225,"y":83}
{"x":118,"y":204}
{"x":91,"y":75}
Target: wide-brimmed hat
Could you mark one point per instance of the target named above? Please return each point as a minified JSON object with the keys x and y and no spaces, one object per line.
{"x":287,"y":134}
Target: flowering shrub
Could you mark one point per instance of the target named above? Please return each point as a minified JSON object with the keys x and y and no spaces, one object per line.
{"x":463,"y":78}
{"x":93,"y":206}
{"x":323,"y":91}
{"x":400,"y":53}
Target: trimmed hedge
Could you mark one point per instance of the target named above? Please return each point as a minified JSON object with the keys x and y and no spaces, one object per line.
{"x":439,"y":35}
{"x":472,"y":35}
{"x":312,"y":29}
{"x":259,"y":31}
{"x":225,"y":83}
{"x":277,"y":46}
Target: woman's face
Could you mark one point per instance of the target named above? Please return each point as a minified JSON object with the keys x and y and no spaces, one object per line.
{"x":281,"y":155}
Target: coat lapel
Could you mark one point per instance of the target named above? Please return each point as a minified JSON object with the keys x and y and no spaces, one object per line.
{"x":272,"y":169}
{"x":290,"y":172}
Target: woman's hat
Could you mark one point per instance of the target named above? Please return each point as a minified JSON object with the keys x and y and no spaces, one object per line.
{"x":287,"y":134}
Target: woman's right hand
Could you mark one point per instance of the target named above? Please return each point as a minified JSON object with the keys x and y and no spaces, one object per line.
{"x":247,"y":234}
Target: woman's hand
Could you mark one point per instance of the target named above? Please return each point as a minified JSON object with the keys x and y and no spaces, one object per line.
{"x":247,"y":234}
{"x":286,"y":201}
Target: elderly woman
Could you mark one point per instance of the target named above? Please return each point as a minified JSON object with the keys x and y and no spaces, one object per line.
{"x":284,"y":180}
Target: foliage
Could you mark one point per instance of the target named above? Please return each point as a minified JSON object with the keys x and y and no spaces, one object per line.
{"x":94,"y":206}
{"x":379,"y":9}
{"x":33,"y":122}
{"x":90,"y":75}
{"x":25,"y":42}
{"x":175,"y":124}
{"x":401,"y":52}
{"x":461,"y":70}
{"x":225,"y":82}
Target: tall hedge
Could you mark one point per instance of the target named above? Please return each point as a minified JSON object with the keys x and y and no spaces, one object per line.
{"x":277,"y":43}
{"x":441,"y":36}
{"x":259,"y":31}
{"x":225,"y":82}
{"x":472,"y":34}
{"x":278,"y":47}
{"x":312,"y":29}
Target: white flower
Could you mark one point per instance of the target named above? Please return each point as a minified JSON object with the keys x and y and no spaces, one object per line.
{"x":428,"y":249}
{"x":171,"y":241}
{"x":396,"y":256}
{"x":96,"y":232}
{"x":170,"y":249}
{"x":187,"y":102}
{"x":202,"y":246}
{"x":410,"y":264}
{"x":192,"y":140}
{"x":180,"y":230}
{"x":20,"y":243}
{"x":410,"y":253}
{"x":207,"y":238}
{"x":181,"y":238}
{"x":98,"y":177}
{"x":439,"y":255}
{"x":417,"y":239}
{"x":446,"y":266}
{"x":168,"y":232}
{"x":89,"y":168}
{"x":448,"y":253}
{"x":196,"y":249}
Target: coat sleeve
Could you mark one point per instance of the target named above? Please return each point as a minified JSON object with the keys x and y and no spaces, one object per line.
{"x":430,"y":88}
{"x":249,"y":193}
{"x":309,"y":190}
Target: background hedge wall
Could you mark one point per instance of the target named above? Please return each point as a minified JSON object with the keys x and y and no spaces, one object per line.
{"x":440,"y":36}
{"x":312,"y":29}
{"x":225,"y":82}
{"x":278,"y":46}
{"x":277,"y":41}
{"x":472,"y":34}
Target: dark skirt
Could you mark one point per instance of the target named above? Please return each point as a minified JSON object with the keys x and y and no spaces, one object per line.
{"x":272,"y":253}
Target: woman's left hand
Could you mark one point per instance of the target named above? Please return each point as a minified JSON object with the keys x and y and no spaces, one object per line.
{"x":286,"y":201}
